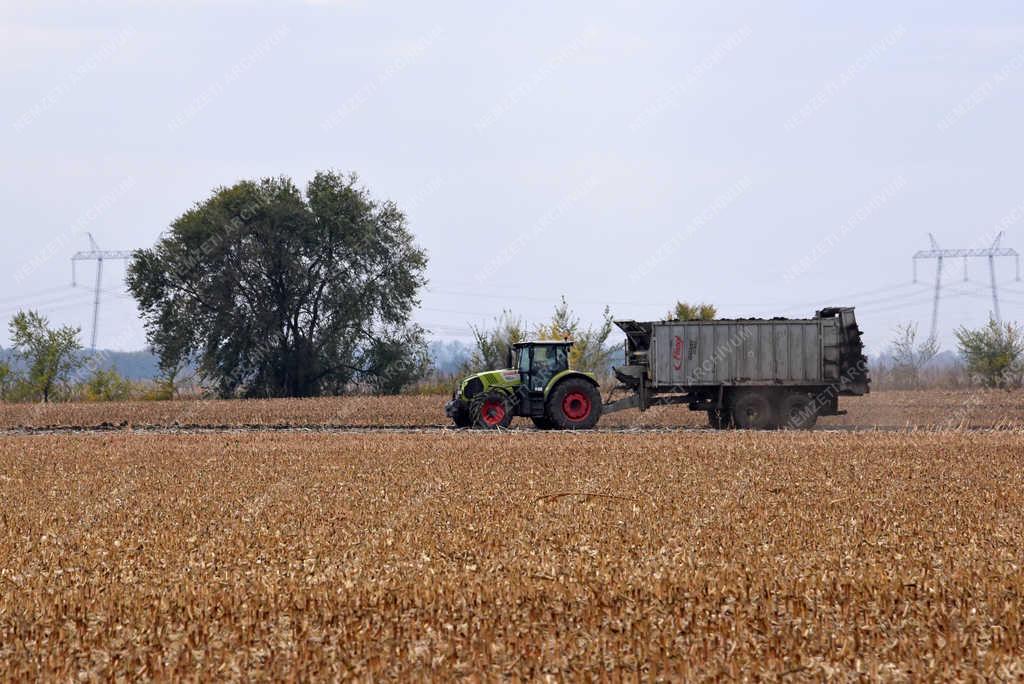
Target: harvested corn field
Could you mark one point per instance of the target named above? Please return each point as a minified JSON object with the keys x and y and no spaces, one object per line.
{"x":451,"y":554}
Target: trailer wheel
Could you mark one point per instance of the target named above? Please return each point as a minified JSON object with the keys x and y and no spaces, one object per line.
{"x":799,"y":412}
{"x":753,"y":411}
{"x":574,"y":404}
{"x":491,"y":410}
{"x":719,"y":419}
{"x":544,"y":423}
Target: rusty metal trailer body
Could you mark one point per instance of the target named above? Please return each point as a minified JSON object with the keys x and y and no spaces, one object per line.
{"x":748,"y":372}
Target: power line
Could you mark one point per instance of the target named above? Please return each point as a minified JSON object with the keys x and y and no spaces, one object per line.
{"x":123,"y":294}
{"x":837,"y":299}
{"x":885,"y":308}
{"x":545,"y":300}
{"x":50,"y":308}
{"x":48,"y":292}
{"x":70,"y":298}
{"x":890,"y":299}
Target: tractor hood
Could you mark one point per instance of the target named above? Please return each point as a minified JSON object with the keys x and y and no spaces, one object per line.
{"x":507,"y":378}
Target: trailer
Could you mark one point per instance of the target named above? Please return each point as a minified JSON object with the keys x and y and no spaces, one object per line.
{"x":747,"y":373}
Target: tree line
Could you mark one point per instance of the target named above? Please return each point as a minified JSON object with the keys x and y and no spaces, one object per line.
{"x":49,"y":364}
{"x":264,"y":289}
{"x":990,"y":356}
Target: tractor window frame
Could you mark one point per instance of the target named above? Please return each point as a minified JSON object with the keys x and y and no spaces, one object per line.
{"x":561,"y":358}
{"x":525,"y":354}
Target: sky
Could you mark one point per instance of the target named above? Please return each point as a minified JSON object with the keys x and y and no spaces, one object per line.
{"x":769,"y":158}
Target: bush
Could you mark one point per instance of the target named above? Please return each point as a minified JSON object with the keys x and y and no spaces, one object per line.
{"x":993,"y":353}
{"x":106,"y":385}
{"x":7,"y":380}
{"x":692,"y":312}
{"x":910,"y":356}
{"x":492,"y":345}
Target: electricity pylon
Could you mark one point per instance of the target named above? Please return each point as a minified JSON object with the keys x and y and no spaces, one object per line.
{"x":940,"y":254}
{"x":98,"y":255}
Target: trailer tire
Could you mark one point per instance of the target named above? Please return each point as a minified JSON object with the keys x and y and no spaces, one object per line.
{"x":574,"y":404}
{"x":798,"y":412}
{"x":491,"y":410}
{"x":753,"y":410}
{"x":544,"y":423}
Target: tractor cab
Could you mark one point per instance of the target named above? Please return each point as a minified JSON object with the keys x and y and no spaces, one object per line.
{"x":537,"y":383}
{"x":538,"y":362}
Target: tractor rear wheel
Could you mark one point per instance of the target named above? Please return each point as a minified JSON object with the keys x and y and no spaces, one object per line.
{"x":753,"y":410}
{"x":574,"y":404}
{"x":544,"y":423}
{"x":490,"y":411}
{"x":798,"y":412}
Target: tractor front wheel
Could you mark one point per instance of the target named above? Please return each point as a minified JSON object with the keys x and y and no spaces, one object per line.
{"x":574,"y":404}
{"x":462,"y":418}
{"x":491,"y":410}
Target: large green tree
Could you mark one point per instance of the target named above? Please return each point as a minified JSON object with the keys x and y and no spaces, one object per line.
{"x":50,"y":356}
{"x":275,"y":292}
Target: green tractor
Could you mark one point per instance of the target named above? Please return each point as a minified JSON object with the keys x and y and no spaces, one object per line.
{"x":538,"y":384}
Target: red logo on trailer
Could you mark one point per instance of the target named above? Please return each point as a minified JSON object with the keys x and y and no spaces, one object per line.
{"x":677,"y":353}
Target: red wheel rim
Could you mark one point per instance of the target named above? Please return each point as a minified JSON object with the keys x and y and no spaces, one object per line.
{"x":576,"y":406}
{"x":492,"y":412}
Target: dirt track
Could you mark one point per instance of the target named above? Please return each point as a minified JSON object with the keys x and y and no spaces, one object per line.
{"x":195,"y":429}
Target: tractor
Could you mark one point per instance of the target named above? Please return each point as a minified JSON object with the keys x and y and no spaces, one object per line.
{"x":537,"y":384}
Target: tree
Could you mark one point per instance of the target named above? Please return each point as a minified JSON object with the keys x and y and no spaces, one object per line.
{"x":589,"y":350}
{"x":401,"y":363}
{"x":167,"y":383}
{"x":909,"y":357}
{"x":272,"y":292}
{"x":492,"y":344}
{"x":692,"y":312}
{"x":993,"y":353}
{"x":50,"y":356}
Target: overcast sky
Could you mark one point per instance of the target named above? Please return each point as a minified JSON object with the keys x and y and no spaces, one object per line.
{"x":769,"y":158}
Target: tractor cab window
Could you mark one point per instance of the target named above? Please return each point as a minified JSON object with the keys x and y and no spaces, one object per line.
{"x":523,"y":359}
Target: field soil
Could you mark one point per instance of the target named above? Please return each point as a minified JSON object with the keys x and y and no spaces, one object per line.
{"x":888,"y":409}
{"x":801,"y":555}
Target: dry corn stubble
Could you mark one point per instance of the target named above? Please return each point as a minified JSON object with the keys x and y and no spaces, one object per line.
{"x":301,"y":555}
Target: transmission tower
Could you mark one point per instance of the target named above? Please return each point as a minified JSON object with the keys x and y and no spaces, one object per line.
{"x":940,"y":254}
{"x":94,"y":253}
